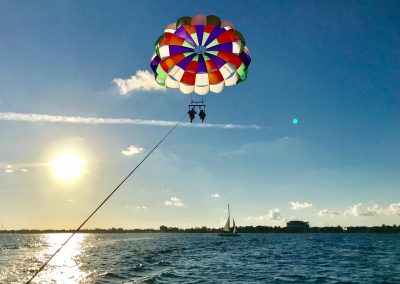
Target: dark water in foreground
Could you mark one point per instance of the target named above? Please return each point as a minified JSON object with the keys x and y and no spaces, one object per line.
{"x":202,"y":258}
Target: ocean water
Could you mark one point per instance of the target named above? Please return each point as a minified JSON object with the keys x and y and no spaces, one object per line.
{"x":202,"y":258}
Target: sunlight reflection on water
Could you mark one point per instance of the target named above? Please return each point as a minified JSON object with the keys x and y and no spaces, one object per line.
{"x":201,"y":258}
{"x":65,"y":266}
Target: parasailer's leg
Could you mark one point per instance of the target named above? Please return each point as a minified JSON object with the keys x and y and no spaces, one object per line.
{"x":192,"y":114}
{"x":202,"y":115}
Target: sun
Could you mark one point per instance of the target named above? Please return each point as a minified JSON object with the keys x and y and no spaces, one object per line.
{"x":68,"y":165}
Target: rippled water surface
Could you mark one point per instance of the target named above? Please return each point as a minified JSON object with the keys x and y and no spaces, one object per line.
{"x":202,"y":258}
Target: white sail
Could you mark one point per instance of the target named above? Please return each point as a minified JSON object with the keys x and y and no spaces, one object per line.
{"x":228,"y":222}
{"x":227,"y":226}
{"x":226,"y":230}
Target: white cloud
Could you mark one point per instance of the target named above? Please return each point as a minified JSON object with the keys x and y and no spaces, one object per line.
{"x":8,"y":169}
{"x":174,"y":201}
{"x":358,"y":210}
{"x":393,"y":209}
{"x":273,"y":214}
{"x":215,"y":195}
{"x":143,"y":80}
{"x":353,"y":210}
{"x":21,"y":167}
{"x":142,"y":207}
{"x":132,"y":150}
{"x":326,"y":212}
{"x":297,"y":205}
{"x":34,"y":117}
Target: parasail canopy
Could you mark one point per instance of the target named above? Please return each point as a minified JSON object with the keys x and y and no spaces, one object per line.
{"x":200,"y":54}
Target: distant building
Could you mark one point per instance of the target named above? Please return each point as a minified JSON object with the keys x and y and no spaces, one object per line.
{"x":297,"y":226}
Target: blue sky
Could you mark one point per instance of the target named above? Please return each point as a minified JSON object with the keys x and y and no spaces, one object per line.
{"x":333,"y":65}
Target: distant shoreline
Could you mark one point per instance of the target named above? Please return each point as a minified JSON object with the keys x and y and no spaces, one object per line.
{"x":395,"y":229}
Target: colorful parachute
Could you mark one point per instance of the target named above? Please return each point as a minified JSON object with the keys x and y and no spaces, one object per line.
{"x":200,"y":54}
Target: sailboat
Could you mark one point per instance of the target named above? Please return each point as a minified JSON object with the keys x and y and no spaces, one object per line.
{"x":226,"y":231}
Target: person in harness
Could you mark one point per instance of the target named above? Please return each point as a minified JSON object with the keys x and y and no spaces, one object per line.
{"x":202,"y":115}
{"x":191,"y":114}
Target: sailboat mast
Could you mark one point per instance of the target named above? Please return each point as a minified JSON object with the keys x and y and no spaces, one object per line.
{"x":229,"y":218}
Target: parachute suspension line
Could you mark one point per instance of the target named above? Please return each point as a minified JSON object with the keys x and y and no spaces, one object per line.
{"x":105,"y":200}
{"x":196,"y":102}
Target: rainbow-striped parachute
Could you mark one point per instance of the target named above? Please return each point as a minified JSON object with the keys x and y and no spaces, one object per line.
{"x":200,"y":54}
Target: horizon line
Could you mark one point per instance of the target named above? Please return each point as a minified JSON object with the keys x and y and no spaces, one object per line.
{"x":188,"y":228}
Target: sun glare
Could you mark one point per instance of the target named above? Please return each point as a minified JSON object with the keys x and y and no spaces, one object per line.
{"x":68,"y":165}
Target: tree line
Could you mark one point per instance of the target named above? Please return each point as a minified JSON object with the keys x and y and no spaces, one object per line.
{"x":395,"y":229}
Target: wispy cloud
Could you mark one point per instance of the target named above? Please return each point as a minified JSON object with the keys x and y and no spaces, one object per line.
{"x":330,"y":213}
{"x":174,"y":201}
{"x":296,"y":205}
{"x":9,"y":169}
{"x":235,"y":152}
{"x":215,"y":195}
{"x":143,"y":80}
{"x":132,"y":150}
{"x":34,"y":117}
{"x":273,"y":214}
{"x":142,"y":207}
